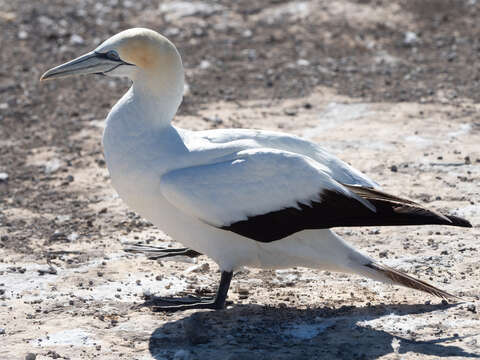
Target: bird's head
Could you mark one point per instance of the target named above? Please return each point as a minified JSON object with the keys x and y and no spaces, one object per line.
{"x":136,"y":53}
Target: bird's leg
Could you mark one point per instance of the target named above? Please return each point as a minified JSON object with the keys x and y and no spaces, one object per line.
{"x":216,"y":303}
{"x":156,"y":252}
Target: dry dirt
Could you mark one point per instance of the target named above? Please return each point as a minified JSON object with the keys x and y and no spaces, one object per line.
{"x":391,"y":87}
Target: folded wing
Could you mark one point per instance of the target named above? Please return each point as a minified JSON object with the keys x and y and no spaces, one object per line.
{"x":267,"y":194}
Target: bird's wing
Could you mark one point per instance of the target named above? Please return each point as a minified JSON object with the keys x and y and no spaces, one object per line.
{"x":267,"y":194}
{"x":336,"y":168}
{"x":263,"y":194}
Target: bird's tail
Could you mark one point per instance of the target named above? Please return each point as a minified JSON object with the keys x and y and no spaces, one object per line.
{"x":386,"y":274}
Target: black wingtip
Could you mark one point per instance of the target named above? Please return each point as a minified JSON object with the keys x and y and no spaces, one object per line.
{"x":458,"y":221}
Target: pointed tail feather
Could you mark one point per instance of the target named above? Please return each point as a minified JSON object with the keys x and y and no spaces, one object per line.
{"x":393,"y":210}
{"x":387,"y":274}
{"x":458,"y":221}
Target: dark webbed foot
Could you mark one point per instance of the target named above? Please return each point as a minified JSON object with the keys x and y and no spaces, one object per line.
{"x":157,"y":252}
{"x":180,"y":304}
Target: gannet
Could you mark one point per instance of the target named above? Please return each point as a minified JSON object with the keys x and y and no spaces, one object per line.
{"x":243,"y":197}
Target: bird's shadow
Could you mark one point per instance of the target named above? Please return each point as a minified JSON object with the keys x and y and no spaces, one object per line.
{"x":245,"y":331}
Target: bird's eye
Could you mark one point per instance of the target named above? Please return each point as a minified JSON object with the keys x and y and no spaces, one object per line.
{"x":113,"y":55}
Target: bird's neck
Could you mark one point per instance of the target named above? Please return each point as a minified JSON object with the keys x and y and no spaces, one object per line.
{"x":157,"y":97}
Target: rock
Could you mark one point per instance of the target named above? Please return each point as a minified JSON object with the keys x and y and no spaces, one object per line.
{"x":3,"y":176}
{"x":22,"y":35}
{"x":195,"y":330}
{"x":57,"y":235}
{"x":76,"y":39}
{"x":242,"y":291}
{"x":186,"y":89}
{"x":177,"y":9}
{"x":52,"y":166}
{"x":303,"y":62}
{"x":7,"y":16}
{"x":147,"y":293}
{"x":53,"y":354}
{"x":51,"y":270}
{"x":410,"y":38}
{"x":172,"y":31}
{"x":73,"y":237}
{"x":471,"y":308}
{"x":293,"y":10}
{"x":247,"y":33}
{"x":204,"y":64}
{"x":2,"y":331}
{"x":290,"y":112}
{"x":62,"y":218}
{"x":201,"y":268}
{"x":393,"y":168}
{"x":30,"y":356}
{"x":216,"y":120}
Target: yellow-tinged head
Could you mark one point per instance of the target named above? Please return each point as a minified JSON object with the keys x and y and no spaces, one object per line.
{"x":143,"y":48}
{"x":140,"y":54}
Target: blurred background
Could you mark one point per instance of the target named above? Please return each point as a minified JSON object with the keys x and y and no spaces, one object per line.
{"x":377,"y":50}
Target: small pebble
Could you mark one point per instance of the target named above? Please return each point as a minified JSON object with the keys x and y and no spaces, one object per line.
{"x":303,"y":62}
{"x":22,"y":35}
{"x":243,"y":291}
{"x":290,"y":112}
{"x":76,"y":39}
{"x":247,"y":33}
{"x":410,"y":38}
{"x":30,"y":356}
{"x":205,"y":64}
{"x":198,"y":268}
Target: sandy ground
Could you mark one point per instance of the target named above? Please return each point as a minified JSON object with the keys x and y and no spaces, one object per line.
{"x":390,"y":87}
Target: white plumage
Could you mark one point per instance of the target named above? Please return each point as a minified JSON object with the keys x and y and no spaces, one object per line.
{"x":208,"y":189}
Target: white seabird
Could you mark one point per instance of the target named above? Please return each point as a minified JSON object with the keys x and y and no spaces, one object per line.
{"x":243,"y":197}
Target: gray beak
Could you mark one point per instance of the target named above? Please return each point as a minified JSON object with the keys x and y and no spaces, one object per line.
{"x":91,"y":63}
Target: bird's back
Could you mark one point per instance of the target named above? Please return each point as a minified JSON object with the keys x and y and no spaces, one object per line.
{"x":339,"y":170}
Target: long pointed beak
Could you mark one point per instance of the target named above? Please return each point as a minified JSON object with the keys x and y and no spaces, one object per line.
{"x":91,"y":63}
